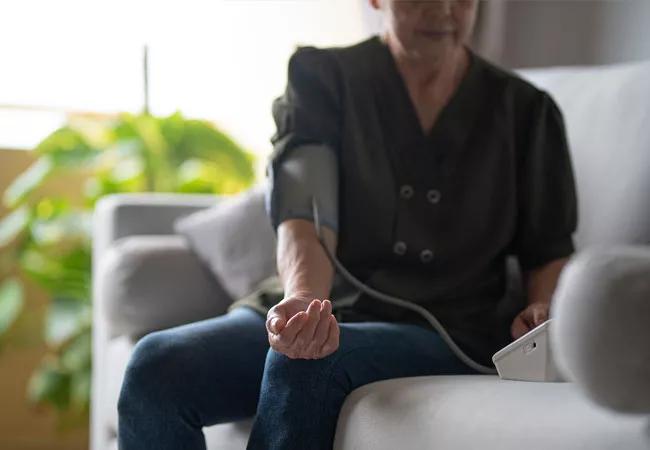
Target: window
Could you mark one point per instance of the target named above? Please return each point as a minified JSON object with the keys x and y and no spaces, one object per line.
{"x":223,"y":60}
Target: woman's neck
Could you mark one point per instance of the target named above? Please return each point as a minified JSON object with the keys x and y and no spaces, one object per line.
{"x":437,"y":73}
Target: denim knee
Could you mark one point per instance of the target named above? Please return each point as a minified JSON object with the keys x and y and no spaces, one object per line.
{"x":151,"y":374}
{"x":333,"y":371}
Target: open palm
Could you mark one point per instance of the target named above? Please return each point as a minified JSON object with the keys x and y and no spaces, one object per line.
{"x":302,"y":327}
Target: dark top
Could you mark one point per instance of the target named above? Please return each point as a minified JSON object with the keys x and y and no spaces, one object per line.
{"x":431,"y":217}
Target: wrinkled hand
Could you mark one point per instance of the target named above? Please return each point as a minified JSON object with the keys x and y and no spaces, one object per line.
{"x":299,"y":328}
{"x":533,"y":315}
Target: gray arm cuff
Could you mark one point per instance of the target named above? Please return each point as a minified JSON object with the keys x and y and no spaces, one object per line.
{"x":303,"y":172}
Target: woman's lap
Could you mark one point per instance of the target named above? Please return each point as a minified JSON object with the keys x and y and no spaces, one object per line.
{"x":215,"y":364}
{"x":300,"y":399}
{"x":215,"y":369}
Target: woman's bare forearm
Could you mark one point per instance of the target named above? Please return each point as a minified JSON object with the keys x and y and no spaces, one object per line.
{"x":303,"y":266}
{"x":541,"y":282}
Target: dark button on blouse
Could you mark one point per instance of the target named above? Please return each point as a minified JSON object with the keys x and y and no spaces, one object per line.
{"x":399,"y":248}
{"x":433,"y":195}
{"x":426,"y":255}
{"x":406,"y":191}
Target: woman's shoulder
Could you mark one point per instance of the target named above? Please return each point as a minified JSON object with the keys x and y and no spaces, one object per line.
{"x":509,"y":81}
{"x":309,"y":64}
{"x":346,"y":60}
{"x":523,"y":98}
{"x":344,"y":69}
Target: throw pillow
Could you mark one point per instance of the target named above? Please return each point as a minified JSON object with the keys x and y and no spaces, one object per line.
{"x":234,"y":239}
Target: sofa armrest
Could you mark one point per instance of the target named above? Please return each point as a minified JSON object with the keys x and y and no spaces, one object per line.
{"x":601,"y":334}
{"x":151,"y":213}
{"x":122,"y":303}
{"x":147,"y":283}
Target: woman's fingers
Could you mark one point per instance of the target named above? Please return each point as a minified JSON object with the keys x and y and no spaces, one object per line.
{"x":286,"y":337}
{"x":306,"y":334}
{"x":518,"y":328}
{"x":535,"y":314}
{"x":332,"y":342}
{"x":276,"y":319}
{"x":322,"y":329}
{"x":540,"y":314}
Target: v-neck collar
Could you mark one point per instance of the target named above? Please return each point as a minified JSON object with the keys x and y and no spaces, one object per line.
{"x":448,"y":130}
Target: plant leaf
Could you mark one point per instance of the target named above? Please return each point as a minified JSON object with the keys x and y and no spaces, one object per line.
{"x":62,"y":228}
{"x":11,"y":303}
{"x":13,"y":224}
{"x":66,"y":318}
{"x":80,"y":389}
{"x":50,"y":384}
{"x":203,"y":140}
{"x":27,"y":181}
{"x":77,"y":354}
{"x":67,"y":148}
{"x":62,"y":274}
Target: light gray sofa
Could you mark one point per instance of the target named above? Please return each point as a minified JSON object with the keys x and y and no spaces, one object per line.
{"x":146,"y":278}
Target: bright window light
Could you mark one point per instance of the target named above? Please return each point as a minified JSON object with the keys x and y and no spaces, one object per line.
{"x":221,"y":60}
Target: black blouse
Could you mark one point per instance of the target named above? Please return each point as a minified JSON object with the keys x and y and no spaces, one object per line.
{"x":431,"y":216}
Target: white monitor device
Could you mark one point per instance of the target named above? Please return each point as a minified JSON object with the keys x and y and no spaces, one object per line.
{"x":528,"y":358}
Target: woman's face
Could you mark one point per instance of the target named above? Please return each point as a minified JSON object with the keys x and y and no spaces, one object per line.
{"x":427,"y":28}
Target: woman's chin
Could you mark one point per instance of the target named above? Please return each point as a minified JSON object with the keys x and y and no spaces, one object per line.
{"x":433,"y":36}
{"x":432,"y":48}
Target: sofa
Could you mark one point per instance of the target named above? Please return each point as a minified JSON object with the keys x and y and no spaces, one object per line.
{"x":146,"y":277}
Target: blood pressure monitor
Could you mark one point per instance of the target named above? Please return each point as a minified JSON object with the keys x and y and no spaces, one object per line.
{"x":528,"y":358}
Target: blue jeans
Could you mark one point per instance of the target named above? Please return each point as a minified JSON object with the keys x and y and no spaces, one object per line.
{"x":222,"y":369}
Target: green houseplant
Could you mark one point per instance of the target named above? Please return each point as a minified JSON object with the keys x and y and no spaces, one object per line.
{"x":48,"y":237}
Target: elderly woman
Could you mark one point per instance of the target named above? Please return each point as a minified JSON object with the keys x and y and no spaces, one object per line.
{"x":430,"y":166}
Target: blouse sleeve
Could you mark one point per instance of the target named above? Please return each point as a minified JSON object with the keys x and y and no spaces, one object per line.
{"x":547,"y":203}
{"x":304,"y":161}
{"x":309,"y":110}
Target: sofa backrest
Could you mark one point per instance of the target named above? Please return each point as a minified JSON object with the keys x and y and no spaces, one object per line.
{"x":607,"y":114}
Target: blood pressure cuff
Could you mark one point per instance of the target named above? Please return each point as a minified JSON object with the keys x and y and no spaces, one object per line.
{"x":303,"y":172}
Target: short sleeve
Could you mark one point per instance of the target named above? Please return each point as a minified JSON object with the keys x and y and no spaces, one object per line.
{"x":547,"y":204}
{"x":309,"y":110}
{"x":304,"y":161}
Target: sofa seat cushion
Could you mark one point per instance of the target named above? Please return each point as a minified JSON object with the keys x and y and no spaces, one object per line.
{"x":228,"y":436}
{"x":482,"y":411}
{"x":455,"y":412}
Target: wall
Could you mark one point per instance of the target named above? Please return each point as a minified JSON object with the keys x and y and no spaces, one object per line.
{"x":542,"y":33}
